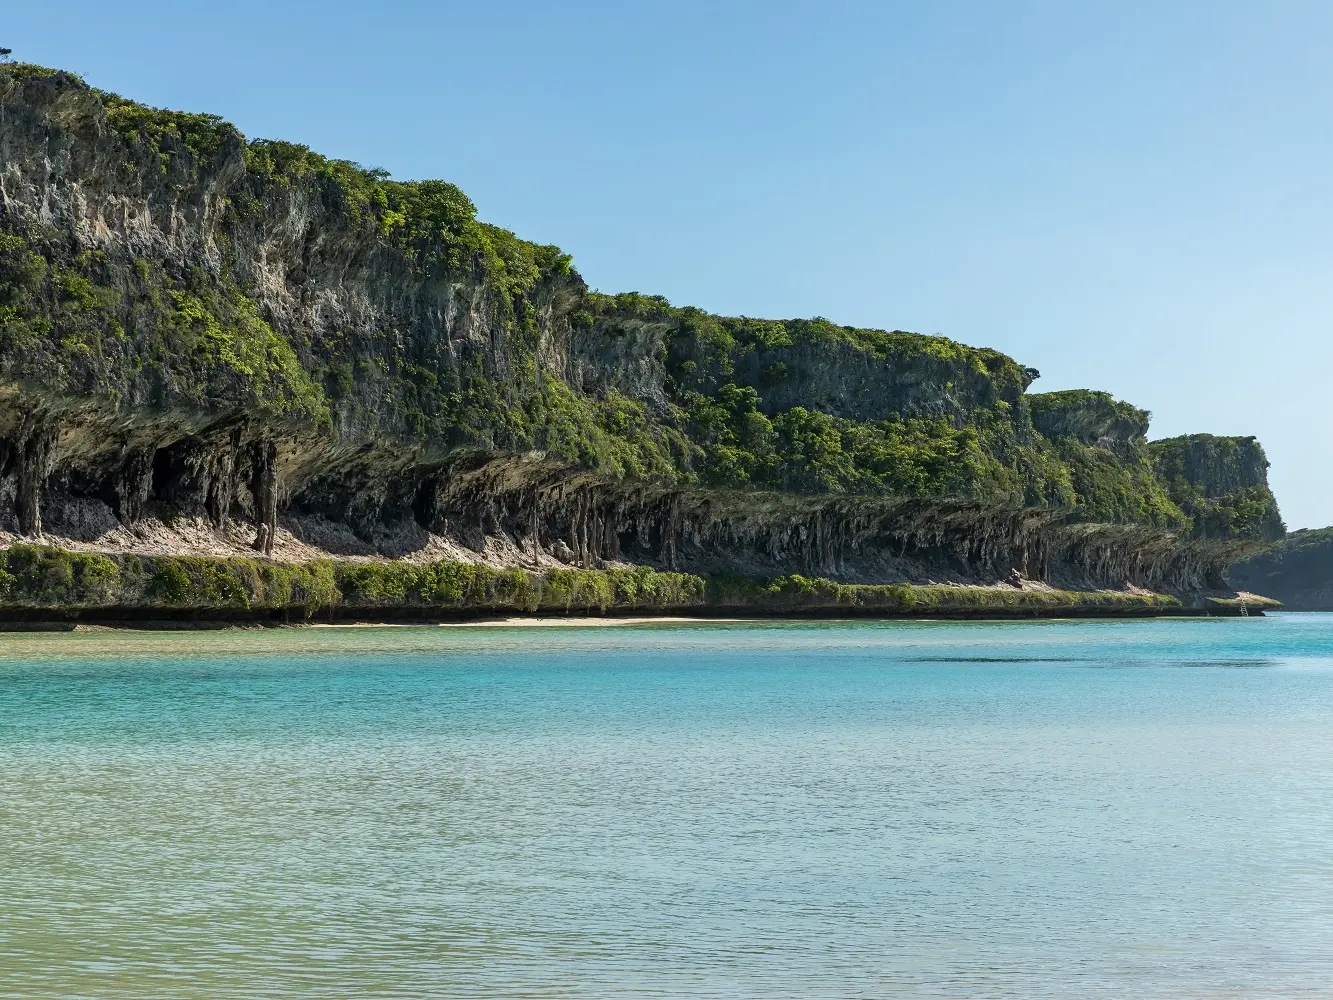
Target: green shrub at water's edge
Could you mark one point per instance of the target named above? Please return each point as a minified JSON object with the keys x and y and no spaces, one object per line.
{"x":36,"y":576}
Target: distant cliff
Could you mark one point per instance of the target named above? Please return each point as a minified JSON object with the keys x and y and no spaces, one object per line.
{"x":200,"y":330}
{"x":1298,"y":571}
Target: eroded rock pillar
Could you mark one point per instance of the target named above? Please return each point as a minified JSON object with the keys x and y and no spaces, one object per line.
{"x":264,"y":489}
{"x":32,"y":465}
{"x":134,"y":485}
{"x":220,"y":476}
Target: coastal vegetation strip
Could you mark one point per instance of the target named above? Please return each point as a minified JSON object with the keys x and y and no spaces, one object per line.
{"x":36,"y":578}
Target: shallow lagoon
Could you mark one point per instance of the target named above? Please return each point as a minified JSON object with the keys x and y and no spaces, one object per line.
{"x":804,"y":809}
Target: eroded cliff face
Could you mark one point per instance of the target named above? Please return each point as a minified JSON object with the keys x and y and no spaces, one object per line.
{"x":595,"y":522}
{"x":199,"y":330}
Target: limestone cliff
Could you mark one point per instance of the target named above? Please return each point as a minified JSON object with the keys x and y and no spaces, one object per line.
{"x":246,"y":336}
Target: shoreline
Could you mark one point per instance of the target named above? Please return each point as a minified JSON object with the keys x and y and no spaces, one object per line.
{"x":73,"y":620}
{"x":533,"y":621}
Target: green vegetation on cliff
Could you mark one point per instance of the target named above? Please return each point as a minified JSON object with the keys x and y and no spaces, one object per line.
{"x":82,"y":324}
{"x":807,"y":405}
{"x":1221,"y":483}
{"x":1101,"y":442}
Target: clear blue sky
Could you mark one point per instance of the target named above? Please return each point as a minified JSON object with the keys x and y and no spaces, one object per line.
{"x":1129,"y":196}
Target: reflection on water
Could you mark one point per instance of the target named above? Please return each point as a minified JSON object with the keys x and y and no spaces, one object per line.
{"x":786,"y":809}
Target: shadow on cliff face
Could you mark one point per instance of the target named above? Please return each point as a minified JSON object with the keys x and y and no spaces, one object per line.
{"x":1298,"y":571}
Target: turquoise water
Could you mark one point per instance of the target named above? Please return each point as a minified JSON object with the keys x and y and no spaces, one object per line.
{"x":791,"y":810}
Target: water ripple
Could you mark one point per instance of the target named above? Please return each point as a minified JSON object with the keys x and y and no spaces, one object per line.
{"x":808,"y":810}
